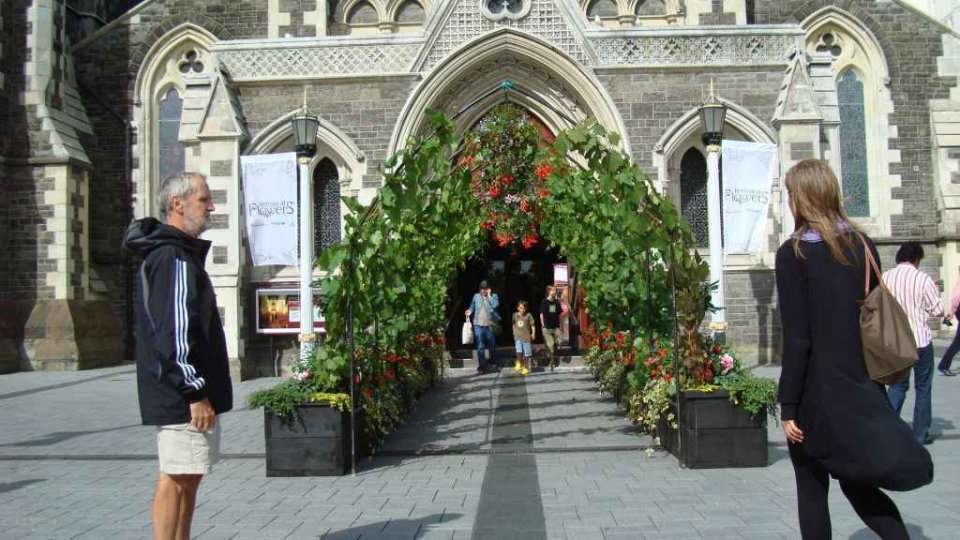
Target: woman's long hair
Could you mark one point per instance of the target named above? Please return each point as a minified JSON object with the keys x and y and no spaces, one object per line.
{"x":815,"y":201}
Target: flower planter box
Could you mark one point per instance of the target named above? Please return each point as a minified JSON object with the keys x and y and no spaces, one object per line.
{"x":316,"y":444}
{"x":712,"y":433}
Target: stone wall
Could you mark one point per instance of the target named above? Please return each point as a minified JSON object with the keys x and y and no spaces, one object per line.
{"x":107,"y":69}
{"x":751,"y":311}
{"x":911,"y":45}
{"x":366,"y":111}
{"x":27,"y":262}
{"x":650,"y":101}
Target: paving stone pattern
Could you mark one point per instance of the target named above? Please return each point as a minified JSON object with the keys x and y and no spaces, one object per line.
{"x":502,"y":457}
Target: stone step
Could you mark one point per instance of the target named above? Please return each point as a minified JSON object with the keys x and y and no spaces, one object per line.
{"x":567,"y":360}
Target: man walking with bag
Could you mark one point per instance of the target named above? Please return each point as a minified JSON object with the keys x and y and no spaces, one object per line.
{"x":183,"y":372}
{"x":920,"y":299}
{"x":484,"y":316}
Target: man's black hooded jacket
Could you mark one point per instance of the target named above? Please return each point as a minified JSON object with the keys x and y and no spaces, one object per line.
{"x":181,"y":347}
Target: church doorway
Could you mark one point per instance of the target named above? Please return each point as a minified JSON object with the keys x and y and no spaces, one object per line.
{"x":514,"y":274}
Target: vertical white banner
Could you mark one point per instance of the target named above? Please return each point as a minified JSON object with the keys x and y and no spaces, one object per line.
{"x":270,"y":193}
{"x":748,"y":170}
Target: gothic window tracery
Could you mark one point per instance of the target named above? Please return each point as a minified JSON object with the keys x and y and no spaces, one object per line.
{"x":171,"y":155}
{"x":693,"y":194}
{"x":853,"y":145}
{"x":326,"y":206}
{"x":863,"y":103}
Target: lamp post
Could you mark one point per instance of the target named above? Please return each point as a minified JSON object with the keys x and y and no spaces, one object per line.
{"x":304,"y":127}
{"x":712,"y":114}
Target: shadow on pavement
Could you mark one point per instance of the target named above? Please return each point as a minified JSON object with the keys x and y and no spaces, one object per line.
{"x":7,"y":487}
{"x":393,"y":528}
{"x":59,"y":436}
{"x":915,"y":531}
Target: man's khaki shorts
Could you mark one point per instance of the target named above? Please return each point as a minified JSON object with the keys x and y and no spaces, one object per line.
{"x":551,"y":338}
{"x":183,"y":449}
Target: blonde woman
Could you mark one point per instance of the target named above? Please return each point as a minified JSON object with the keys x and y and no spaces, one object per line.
{"x":836,"y":420}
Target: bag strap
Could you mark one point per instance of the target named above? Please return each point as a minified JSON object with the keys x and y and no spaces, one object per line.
{"x":870,"y":262}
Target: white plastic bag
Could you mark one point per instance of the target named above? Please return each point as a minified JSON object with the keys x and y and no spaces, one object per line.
{"x":467,"y":334}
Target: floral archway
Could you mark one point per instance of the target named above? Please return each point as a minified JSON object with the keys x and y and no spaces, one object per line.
{"x":443,"y":197}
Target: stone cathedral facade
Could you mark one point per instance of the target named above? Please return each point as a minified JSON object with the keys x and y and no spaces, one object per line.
{"x":100,"y":99}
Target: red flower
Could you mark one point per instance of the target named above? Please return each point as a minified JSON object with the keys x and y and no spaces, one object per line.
{"x":389,"y":374}
{"x":466,"y":160}
{"x":717,"y":349}
{"x":507,"y":180}
{"x":543,"y":192}
{"x":369,"y":392}
{"x":649,"y":361}
{"x":494,"y":191}
{"x":487,"y":225}
{"x":529,"y":241}
{"x":662,"y":353}
{"x":543,"y":171}
{"x":666,"y":377}
{"x":620,"y":338}
{"x":653,"y":373}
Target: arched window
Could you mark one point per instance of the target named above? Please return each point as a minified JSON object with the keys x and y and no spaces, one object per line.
{"x":853,"y":145}
{"x":603,"y":8}
{"x":858,"y":148}
{"x":693,"y":194}
{"x":410,"y":12}
{"x":161,"y":91}
{"x":326,"y":206}
{"x":171,"y":157}
{"x":650,"y":7}
{"x":363,"y":13}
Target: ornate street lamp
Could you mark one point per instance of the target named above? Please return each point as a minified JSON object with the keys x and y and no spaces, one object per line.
{"x":712,"y":114}
{"x":304,"y":126}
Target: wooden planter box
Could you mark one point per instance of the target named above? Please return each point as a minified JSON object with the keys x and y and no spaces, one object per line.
{"x":712,"y":433}
{"x":316,"y":444}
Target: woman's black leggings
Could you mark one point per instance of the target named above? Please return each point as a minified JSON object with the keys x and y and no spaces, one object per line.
{"x":872,"y":505}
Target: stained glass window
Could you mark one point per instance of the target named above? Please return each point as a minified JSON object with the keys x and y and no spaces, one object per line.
{"x":693,"y":194}
{"x":853,"y":145}
{"x":326,"y":206}
{"x":171,"y":157}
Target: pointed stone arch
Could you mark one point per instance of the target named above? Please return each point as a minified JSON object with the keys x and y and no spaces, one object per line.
{"x":551,"y":85}
{"x":854,"y":48}
{"x":332,"y":142}
{"x":685,"y":134}
{"x":160,"y":71}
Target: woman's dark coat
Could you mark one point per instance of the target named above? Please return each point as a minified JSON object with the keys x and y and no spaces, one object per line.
{"x":847,"y":422}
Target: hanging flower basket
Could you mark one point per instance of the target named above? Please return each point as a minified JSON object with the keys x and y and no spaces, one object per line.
{"x":502,"y":153}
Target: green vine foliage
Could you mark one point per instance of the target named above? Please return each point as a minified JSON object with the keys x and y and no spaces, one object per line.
{"x":402,"y":251}
{"x":618,"y":232}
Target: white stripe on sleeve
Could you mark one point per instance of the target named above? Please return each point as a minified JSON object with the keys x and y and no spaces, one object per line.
{"x":181,"y":327}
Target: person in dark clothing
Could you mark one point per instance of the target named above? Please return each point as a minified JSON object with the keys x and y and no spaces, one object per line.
{"x":183,"y":373}
{"x":550,"y":311}
{"x":836,"y":420}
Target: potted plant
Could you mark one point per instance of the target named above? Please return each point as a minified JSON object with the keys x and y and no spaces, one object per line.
{"x":723,"y":422}
{"x":723,"y":409}
{"x":306,"y":425}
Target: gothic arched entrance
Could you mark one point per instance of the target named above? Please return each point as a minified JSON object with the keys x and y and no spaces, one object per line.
{"x":514,"y":273}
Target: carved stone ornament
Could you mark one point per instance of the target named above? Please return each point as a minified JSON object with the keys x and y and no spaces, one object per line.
{"x":497,"y":10}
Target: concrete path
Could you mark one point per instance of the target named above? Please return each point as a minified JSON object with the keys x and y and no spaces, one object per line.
{"x":494,"y":456}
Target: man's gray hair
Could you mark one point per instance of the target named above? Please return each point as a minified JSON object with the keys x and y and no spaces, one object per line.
{"x":180,"y":184}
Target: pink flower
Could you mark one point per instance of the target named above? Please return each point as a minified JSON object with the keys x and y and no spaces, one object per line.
{"x":727,"y":363}
{"x":303,"y":375}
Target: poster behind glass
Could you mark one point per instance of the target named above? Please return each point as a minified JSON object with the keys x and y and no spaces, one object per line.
{"x":278,"y":312}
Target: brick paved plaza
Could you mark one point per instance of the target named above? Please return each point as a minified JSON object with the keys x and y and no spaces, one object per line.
{"x":545,"y":457}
